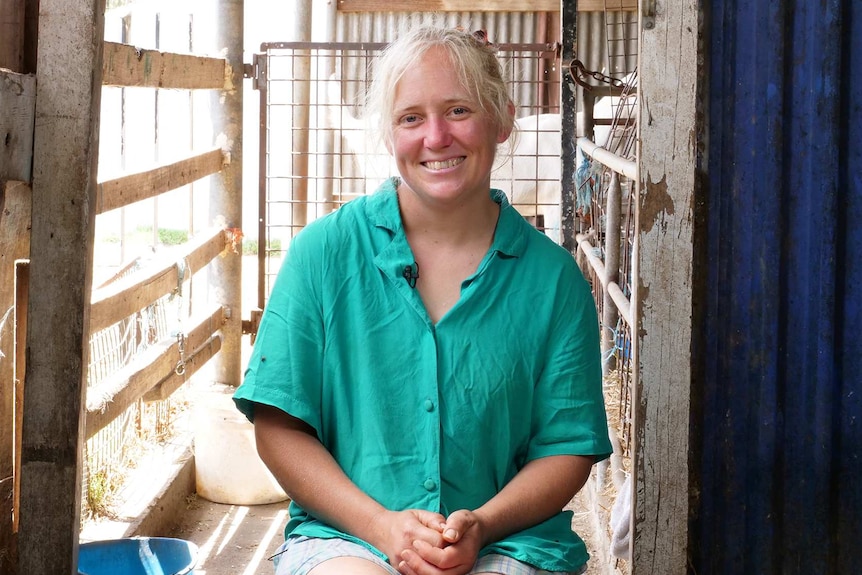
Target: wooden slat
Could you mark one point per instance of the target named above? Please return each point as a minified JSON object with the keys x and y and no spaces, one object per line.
{"x":132,"y":294}
{"x":607,"y":5}
{"x":22,"y":299}
{"x":17,"y":111}
{"x":193,"y":362}
{"x":126,"y":65}
{"x":109,"y":399}
{"x":482,"y":5}
{"x":126,"y":190}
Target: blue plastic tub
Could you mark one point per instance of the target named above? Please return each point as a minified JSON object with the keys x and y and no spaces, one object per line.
{"x":137,"y":556}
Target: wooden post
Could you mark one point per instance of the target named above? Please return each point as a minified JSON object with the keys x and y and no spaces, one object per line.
{"x":568,"y":226}
{"x":14,"y":244}
{"x":68,"y":73}
{"x":226,"y":204}
{"x":662,"y":265}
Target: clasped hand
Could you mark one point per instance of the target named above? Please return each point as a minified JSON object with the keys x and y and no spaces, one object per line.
{"x":419,"y":542}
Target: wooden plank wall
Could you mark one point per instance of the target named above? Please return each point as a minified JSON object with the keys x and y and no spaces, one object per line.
{"x":668,"y":152}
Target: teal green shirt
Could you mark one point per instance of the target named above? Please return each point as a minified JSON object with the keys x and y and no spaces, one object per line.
{"x":438,"y":417}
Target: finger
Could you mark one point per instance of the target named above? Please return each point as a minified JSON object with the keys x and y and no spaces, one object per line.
{"x":430,"y":519}
{"x":451,"y":535}
{"x":404,"y":568}
{"x":412,"y":564}
{"x":442,"y":558}
{"x":456,"y":525}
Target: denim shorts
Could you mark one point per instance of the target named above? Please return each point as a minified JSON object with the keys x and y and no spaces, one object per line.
{"x":299,"y":555}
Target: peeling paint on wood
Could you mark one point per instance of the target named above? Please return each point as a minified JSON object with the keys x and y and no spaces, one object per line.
{"x":655,"y":202}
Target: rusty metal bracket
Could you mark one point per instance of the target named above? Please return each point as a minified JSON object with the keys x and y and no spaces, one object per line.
{"x":648,"y":14}
{"x":250,"y":326}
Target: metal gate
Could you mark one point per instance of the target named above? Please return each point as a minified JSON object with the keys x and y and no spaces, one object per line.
{"x":316,"y":154}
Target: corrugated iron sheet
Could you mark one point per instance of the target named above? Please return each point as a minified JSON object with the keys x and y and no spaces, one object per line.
{"x":781,"y":422}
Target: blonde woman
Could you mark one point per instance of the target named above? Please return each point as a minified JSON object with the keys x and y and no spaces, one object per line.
{"x":426,"y":380}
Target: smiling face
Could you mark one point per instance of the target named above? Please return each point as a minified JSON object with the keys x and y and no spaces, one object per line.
{"x":442,"y":140}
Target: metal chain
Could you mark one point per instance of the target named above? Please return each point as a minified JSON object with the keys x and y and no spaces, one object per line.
{"x":582,"y":73}
{"x":180,"y":369}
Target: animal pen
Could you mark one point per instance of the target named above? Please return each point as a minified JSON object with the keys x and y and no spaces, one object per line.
{"x":156,"y":320}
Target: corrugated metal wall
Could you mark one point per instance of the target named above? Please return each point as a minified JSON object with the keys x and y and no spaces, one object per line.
{"x":502,"y":28}
{"x":781,"y":421}
{"x":607,"y":41}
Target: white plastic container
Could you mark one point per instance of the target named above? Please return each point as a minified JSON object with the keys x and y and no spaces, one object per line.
{"x":228,"y":468}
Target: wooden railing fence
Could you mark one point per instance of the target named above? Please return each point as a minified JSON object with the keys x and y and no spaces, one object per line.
{"x":154,"y":371}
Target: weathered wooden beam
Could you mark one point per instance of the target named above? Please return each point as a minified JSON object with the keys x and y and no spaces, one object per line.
{"x":17,"y":113}
{"x":131,"y":188}
{"x":482,"y":5}
{"x":109,"y":399}
{"x":131,"y":294}
{"x":663,"y":265}
{"x":126,"y":65}
{"x":65,"y":156}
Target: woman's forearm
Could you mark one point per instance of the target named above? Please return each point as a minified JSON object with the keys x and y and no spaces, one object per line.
{"x":538,"y":492}
{"x":309,"y":474}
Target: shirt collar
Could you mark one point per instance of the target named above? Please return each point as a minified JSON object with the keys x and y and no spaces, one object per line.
{"x":510,"y":239}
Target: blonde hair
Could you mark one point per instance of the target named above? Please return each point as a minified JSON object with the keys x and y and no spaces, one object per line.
{"x":475,"y":61}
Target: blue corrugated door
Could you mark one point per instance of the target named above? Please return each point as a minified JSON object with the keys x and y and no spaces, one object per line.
{"x":778,"y":429}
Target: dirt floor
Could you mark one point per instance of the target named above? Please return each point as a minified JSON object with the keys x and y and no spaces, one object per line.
{"x":233,"y":539}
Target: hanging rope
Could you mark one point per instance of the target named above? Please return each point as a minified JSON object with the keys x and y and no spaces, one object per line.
{"x":586,"y":184}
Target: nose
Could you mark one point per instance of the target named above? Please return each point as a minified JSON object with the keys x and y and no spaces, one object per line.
{"x":437,"y":133}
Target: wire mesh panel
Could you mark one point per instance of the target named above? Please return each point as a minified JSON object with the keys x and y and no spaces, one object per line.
{"x":318,"y":150}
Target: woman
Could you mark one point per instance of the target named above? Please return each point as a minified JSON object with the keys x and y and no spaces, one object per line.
{"x":426,"y":380}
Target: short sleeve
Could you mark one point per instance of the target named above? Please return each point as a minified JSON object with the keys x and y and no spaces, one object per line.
{"x":569,"y":412}
{"x":285,"y":366}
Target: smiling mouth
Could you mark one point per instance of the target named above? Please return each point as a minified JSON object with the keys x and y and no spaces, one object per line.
{"x":451,"y":163}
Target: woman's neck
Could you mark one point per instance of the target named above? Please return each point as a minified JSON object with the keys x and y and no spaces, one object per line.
{"x":467,"y":223}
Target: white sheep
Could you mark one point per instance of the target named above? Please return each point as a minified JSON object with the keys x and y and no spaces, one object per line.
{"x":529,"y":173}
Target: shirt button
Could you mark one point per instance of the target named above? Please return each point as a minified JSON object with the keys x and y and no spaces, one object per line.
{"x":429,"y":405}
{"x":430,"y":485}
